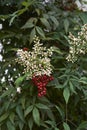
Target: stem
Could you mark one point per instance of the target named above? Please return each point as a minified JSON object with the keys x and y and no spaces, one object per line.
{"x":72,"y":123}
{"x":67,"y":120}
{"x":66,"y":114}
{"x":59,"y":123}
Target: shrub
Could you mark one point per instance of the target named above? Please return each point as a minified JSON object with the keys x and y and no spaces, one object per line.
{"x":23,"y":105}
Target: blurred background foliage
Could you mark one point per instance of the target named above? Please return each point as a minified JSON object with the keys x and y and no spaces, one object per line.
{"x":65,"y":105}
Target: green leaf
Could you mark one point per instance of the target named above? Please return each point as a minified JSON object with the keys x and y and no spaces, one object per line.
{"x":10,"y":126}
{"x":20,"y":112}
{"x":12,"y":19}
{"x":11,"y":117}
{"x":44,"y":99}
{"x":66,"y":94}
{"x":66,"y":126}
{"x":7,"y":105}
{"x":57,"y":50}
{"x":66,"y":25}
{"x":23,"y":100}
{"x":21,"y":124}
{"x":28,"y":3}
{"x":7,"y":92}
{"x":30,"y":123}
{"x":50,"y":114}
{"x":82,"y":126}
{"x":32,"y":34}
{"x":43,"y":124}
{"x":52,"y":123}
{"x":28,"y":24}
{"x":24,"y":3}
{"x":55,"y":21}
{"x":41,"y":106}
{"x":40,"y":31}
{"x":45,"y":22}
{"x":56,"y":129}
{"x":38,"y":11}
{"x":20,"y":80}
{"x":4,"y":16}
{"x":72,"y":87}
{"x":59,"y":86}
{"x":83,"y":16}
{"x":83,"y":80}
{"x":28,"y":110}
{"x":36,"y":116}
{"x":3,"y":117}
{"x":60,"y":112}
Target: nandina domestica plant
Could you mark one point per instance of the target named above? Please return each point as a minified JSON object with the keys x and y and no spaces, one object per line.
{"x":43,"y":81}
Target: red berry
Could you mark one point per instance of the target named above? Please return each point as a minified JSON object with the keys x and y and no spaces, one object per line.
{"x":40,"y":88}
{"x":25,"y":49}
{"x":41,"y":81}
{"x":39,"y":95}
{"x":42,"y":93}
{"x":44,"y":84}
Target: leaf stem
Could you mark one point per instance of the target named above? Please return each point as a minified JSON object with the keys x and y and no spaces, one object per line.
{"x":72,"y":123}
{"x":66,"y":114}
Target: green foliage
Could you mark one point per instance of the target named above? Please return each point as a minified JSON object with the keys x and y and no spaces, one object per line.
{"x":66,"y":126}
{"x":36,"y":116}
{"x":83,"y":125}
{"x":66,"y":94}
{"x":65,"y":105}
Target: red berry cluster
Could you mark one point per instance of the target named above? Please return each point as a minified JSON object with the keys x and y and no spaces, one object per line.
{"x":41,"y":82}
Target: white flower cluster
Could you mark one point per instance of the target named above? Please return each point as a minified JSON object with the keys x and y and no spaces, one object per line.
{"x":78,"y":45}
{"x":37,"y":61}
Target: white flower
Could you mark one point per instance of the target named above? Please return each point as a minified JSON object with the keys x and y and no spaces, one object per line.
{"x":78,"y":45}
{"x":19,"y":90}
{"x":37,"y":61}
